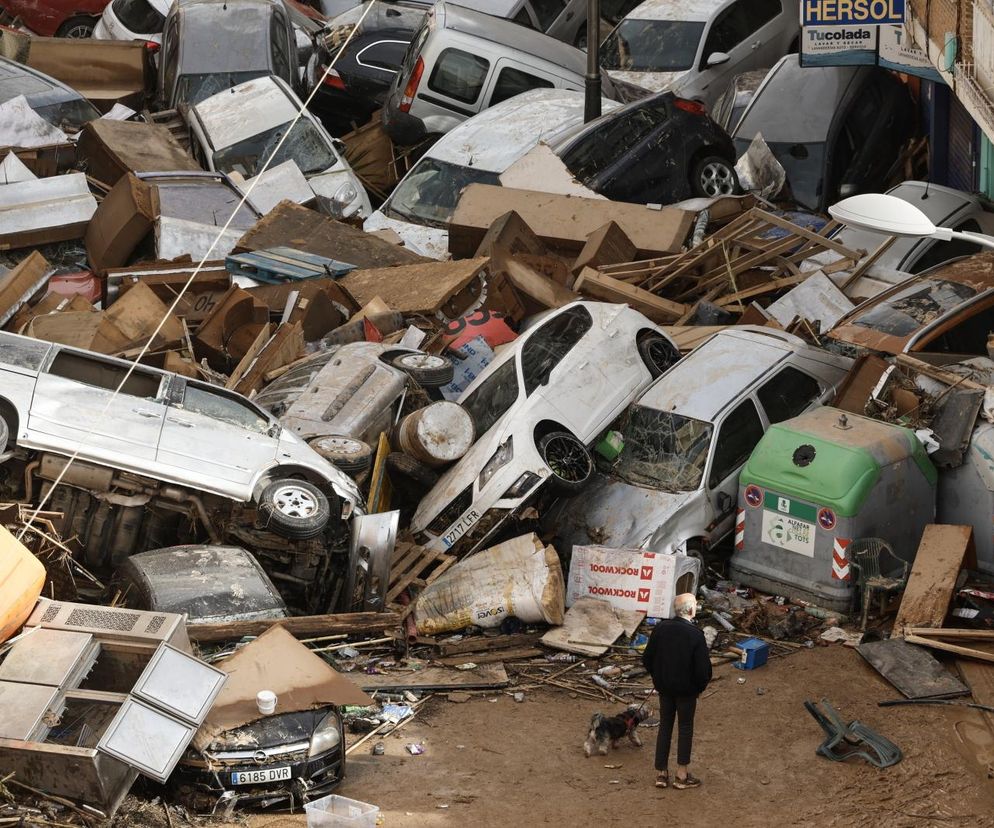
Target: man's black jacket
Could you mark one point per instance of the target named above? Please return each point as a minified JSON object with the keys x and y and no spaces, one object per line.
{"x":677,"y":658}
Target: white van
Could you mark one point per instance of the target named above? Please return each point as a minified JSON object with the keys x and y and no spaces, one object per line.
{"x":462,"y":61}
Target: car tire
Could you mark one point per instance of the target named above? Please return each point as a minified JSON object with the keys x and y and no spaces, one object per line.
{"x":294,"y":509}
{"x":77,"y":27}
{"x":426,"y":370}
{"x":4,"y":434}
{"x":657,"y":352}
{"x":713,"y":176}
{"x":351,"y":456}
{"x":411,"y":470}
{"x":571,"y":463}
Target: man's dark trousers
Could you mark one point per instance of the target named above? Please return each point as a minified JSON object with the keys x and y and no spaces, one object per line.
{"x":682,"y":709}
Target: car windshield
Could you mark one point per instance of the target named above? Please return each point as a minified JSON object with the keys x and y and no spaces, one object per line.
{"x":663,"y":450}
{"x":652,"y":45}
{"x":306,"y":146}
{"x":804,"y":165}
{"x":69,"y":116}
{"x":915,"y":307}
{"x":429,"y":193}
{"x":193,"y":89}
{"x":493,"y":397}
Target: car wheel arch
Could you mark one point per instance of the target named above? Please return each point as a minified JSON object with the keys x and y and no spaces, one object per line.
{"x":9,"y":413}
{"x":292,"y":472}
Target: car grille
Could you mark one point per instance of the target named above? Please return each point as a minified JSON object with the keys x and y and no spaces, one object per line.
{"x":289,"y":753}
{"x":450,"y":514}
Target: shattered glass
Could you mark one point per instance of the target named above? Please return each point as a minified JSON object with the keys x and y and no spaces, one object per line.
{"x":193,"y":88}
{"x":493,"y":397}
{"x":652,"y":45}
{"x":916,"y":307}
{"x":663,"y":450}
{"x":429,"y":193}
{"x":306,"y":146}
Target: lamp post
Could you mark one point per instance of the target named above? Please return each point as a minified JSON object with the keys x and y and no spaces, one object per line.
{"x":592,"y":86}
{"x":882,"y":213}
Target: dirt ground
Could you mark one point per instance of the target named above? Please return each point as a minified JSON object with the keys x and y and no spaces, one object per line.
{"x":491,"y":761}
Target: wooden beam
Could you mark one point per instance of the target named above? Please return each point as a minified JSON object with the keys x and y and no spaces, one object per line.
{"x":946,"y":647}
{"x":608,"y":289}
{"x":348,"y":623}
{"x":944,"y":550}
{"x":936,"y":373}
{"x":759,"y":290}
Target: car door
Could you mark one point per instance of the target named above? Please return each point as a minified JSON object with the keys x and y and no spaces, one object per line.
{"x":561,"y":19}
{"x":213,"y":434}
{"x":77,"y":405}
{"x":737,"y":435}
{"x":787,"y":393}
{"x":510,"y":78}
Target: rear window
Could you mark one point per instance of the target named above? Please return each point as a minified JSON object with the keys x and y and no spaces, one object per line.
{"x":915,"y":307}
{"x":384,"y":54}
{"x":459,"y":75}
{"x":69,"y":116}
{"x":652,"y":46}
{"x":138,"y":16}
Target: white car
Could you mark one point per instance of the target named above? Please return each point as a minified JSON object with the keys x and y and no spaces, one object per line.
{"x":238,"y":130}
{"x":695,"y":47}
{"x":132,"y":20}
{"x":673,"y":487}
{"x":536,"y":409}
{"x":475,"y":152}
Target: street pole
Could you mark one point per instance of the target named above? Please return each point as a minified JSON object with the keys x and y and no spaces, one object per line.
{"x":592,"y":99}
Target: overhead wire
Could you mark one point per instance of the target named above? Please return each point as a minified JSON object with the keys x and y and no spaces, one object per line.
{"x":193,"y":275}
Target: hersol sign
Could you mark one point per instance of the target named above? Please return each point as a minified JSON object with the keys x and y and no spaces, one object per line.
{"x":851,"y":12}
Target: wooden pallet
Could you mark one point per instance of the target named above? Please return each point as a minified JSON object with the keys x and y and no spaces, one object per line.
{"x":413,"y":565}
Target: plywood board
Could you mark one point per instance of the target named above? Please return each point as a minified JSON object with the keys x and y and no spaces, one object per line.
{"x":436,"y":678}
{"x":943,"y":551}
{"x":589,"y":628}
{"x":916,"y":673}
{"x":20,"y":284}
{"x":414,"y":288}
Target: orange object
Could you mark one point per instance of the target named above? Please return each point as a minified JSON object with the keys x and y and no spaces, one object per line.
{"x":21,"y":578}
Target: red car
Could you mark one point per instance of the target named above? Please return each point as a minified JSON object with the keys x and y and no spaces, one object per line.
{"x":57,"y":18}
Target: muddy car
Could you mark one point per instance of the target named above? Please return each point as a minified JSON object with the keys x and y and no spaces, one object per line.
{"x":536,"y":409}
{"x":673,"y":487}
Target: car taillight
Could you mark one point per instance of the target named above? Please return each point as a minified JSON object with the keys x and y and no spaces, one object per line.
{"x":412,"y":86}
{"x":333,"y":79}
{"x":151,"y":46}
{"x":693,"y":107}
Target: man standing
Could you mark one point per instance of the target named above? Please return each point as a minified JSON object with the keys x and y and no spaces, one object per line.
{"x":678,"y":661}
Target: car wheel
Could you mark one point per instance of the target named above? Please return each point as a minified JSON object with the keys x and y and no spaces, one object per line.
{"x":657,"y":352}
{"x":425,"y":369}
{"x":714,"y":176}
{"x":570,"y":461}
{"x":351,"y":456}
{"x":294,"y":509}
{"x":77,"y":27}
{"x":411,"y":470}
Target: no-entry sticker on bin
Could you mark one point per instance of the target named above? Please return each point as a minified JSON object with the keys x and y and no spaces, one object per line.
{"x":630,"y":579}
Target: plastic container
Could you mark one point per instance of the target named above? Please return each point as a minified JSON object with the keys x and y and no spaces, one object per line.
{"x":338,"y":811}
{"x":754,"y":653}
{"x":265,"y":700}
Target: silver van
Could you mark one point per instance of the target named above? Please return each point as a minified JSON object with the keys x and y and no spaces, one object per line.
{"x":462,"y":61}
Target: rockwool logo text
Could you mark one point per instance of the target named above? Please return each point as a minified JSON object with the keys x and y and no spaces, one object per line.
{"x":613,"y":592}
{"x":613,"y":570}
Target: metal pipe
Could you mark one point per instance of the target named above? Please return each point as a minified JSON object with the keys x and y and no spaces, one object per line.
{"x":29,"y":470}
{"x":592,"y":99}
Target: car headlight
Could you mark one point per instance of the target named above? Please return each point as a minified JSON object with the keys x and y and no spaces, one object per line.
{"x":521,"y":486}
{"x":503,"y":456}
{"x":343,"y":197}
{"x":328,"y":735}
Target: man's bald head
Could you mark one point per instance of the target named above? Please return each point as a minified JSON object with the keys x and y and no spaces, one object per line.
{"x":685,"y":605}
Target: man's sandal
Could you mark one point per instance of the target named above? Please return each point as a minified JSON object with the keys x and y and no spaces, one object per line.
{"x":663,"y":779}
{"x":688,"y":781}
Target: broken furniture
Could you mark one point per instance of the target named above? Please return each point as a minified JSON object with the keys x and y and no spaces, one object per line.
{"x":92,"y":696}
{"x":865,"y":557}
{"x":854,"y":739}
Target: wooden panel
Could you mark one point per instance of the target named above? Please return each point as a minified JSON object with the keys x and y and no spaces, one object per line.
{"x":943,"y":551}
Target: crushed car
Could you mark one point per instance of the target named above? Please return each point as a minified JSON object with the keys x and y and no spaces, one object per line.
{"x":52,"y":100}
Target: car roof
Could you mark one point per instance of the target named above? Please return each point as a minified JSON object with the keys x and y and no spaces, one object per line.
{"x":510,"y":35}
{"x":500,"y":135}
{"x":38,"y":88}
{"x":687,"y":10}
{"x":716,"y":373}
{"x":225,"y":35}
{"x":245,"y":110}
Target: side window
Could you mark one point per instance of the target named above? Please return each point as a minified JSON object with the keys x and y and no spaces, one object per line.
{"x":546,"y":348}
{"x":737,"y":438}
{"x":106,"y":375}
{"x":228,"y":409}
{"x":281,"y":55}
{"x":384,"y":54}
{"x":762,"y":12}
{"x":968,"y":336}
{"x":459,"y":75}
{"x":787,"y":394}
{"x":168,"y":66}
{"x":24,"y":353}
{"x":730,"y":28}
{"x":522,"y":18}
{"x":939,"y":251}
{"x":547,"y":11}
{"x":511,"y":82}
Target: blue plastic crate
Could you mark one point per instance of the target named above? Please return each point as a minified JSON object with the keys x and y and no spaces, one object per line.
{"x":754,"y":654}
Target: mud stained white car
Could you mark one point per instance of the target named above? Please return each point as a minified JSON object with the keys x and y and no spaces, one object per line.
{"x":536,"y":409}
{"x":674,"y":486}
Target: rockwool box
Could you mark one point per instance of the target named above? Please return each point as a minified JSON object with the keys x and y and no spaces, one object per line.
{"x":631,"y":579}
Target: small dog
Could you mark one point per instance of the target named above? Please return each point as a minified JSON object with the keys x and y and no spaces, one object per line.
{"x":606,"y":731}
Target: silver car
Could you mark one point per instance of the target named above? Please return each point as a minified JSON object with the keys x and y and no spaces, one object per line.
{"x":167,"y":427}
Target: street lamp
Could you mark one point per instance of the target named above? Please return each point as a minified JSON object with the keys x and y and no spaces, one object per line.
{"x":592,"y":81}
{"x":893,"y":216}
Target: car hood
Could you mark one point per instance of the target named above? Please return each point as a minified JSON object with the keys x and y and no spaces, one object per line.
{"x":610,"y":512}
{"x":653,"y":81}
{"x":270,"y":731}
{"x":427,"y":241}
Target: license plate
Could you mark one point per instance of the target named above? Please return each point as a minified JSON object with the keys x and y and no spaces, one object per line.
{"x":461,"y":528}
{"x":260,"y":777}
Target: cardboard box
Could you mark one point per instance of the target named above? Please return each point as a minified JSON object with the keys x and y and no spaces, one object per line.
{"x":111,"y":149}
{"x":123,"y":219}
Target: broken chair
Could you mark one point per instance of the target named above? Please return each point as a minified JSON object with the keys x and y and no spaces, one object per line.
{"x":853,"y":739}
{"x":865,"y":556}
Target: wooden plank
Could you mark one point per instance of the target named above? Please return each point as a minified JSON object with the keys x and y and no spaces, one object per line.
{"x":759,"y":290}
{"x":607,"y":289}
{"x":803,"y":232}
{"x":380,"y":491}
{"x":967,"y":635}
{"x":943,"y":551}
{"x":515,"y":654}
{"x":537,"y":286}
{"x":436,"y":678}
{"x":348,"y":623}
{"x":867,"y":263}
{"x":946,"y":647}
{"x":980,"y":678}
{"x":606,"y":245}
{"x":250,"y":355}
{"x":283,"y":348}
{"x":481,"y":644}
{"x":929,"y":370}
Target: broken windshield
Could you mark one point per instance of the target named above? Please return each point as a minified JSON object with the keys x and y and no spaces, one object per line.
{"x":194,"y":88}
{"x":493,"y":397}
{"x":429,"y":193}
{"x":916,"y":307}
{"x":652,"y":45}
{"x":663,"y":450}
{"x":306,"y":146}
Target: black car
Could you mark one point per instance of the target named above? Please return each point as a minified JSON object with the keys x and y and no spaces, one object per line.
{"x":658,"y":150}
{"x":358,"y":84}
{"x":57,"y":103}
{"x":845,"y":144}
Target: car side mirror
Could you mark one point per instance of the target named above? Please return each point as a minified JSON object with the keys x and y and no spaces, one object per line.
{"x":724,"y":502}
{"x":275,"y":430}
{"x":718,"y":58}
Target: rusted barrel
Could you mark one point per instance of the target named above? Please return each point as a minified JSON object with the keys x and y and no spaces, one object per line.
{"x":437,"y":434}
